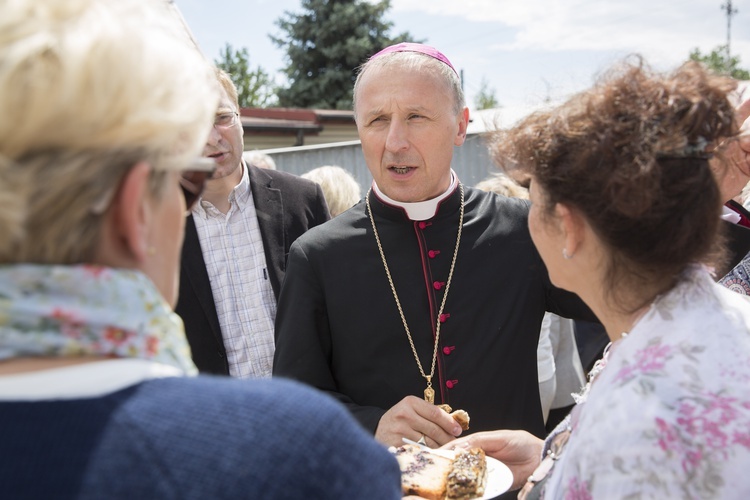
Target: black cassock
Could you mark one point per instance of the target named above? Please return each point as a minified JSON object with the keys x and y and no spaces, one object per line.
{"x":338,"y":327}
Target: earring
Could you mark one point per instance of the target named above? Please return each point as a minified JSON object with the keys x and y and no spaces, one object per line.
{"x":565,"y":254}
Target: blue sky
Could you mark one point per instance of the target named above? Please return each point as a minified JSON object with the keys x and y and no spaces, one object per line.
{"x":528,"y":51}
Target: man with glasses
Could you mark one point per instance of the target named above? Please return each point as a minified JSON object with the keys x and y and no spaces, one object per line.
{"x":237,"y":238}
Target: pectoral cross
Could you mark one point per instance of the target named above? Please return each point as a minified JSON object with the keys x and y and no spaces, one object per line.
{"x":429,"y":393}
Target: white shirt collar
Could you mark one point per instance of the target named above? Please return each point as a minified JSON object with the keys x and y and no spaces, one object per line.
{"x":421,"y":210}
{"x":240,"y":196}
{"x":82,"y":381}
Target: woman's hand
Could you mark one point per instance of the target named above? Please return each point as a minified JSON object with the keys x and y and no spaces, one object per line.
{"x":519,"y":450}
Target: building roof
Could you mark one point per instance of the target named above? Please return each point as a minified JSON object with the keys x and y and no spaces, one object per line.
{"x":279,"y":125}
{"x":306,"y":120}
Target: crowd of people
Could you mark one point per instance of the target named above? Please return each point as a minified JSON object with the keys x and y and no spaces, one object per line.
{"x":147,"y":268}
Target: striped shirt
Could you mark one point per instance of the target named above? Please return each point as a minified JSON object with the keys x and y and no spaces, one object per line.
{"x":236,"y":264}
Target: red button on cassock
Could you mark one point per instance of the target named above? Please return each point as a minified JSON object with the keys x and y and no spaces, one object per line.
{"x":451,"y":384}
{"x":437,"y":285}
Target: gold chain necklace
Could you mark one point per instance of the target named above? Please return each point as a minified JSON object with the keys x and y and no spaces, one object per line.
{"x":429,"y":392}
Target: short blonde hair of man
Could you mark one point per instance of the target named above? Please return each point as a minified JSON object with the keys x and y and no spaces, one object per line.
{"x":87,"y":89}
{"x":340,"y":189}
{"x":225,"y":80}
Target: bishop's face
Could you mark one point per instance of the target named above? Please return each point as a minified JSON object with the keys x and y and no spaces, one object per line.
{"x":408,"y":126}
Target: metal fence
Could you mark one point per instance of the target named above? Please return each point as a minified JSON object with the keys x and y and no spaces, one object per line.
{"x":471,"y":161}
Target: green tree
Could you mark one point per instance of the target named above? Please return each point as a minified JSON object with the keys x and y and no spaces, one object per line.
{"x":485,"y":98}
{"x":324,"y":45}
{"x":719,"y":62}
{"x":255,"y":89}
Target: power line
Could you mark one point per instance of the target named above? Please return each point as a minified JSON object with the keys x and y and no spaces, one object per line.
{"x":730,"y":12}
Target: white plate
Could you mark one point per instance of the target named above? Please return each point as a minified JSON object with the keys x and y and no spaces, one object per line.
{"x":499,"y":478}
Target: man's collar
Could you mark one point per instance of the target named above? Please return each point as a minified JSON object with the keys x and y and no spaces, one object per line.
{"x":421,"y":210}
{"x":240,"y":195}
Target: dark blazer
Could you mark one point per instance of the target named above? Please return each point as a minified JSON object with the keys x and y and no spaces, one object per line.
{"x":287,"y":206}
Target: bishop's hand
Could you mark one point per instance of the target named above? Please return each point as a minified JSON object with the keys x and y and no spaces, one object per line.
{"x":413,"y":418}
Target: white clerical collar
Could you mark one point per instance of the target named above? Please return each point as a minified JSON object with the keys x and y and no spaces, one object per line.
{"x":421,"y":210}
{"x":730,"y":215}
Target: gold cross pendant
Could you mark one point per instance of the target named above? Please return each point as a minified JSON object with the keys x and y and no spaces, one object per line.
{"x":429,"y":393}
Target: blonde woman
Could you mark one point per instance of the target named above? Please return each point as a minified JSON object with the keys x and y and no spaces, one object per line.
{"x":106,"y":105}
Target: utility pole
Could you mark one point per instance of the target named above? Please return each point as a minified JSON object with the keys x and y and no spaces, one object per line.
{"x":730,"y":12}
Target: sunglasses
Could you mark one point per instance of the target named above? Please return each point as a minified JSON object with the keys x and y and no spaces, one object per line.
{"x":193,"y":179}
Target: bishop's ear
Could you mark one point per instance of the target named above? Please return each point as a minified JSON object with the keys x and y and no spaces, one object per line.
{"x":463,"y":124}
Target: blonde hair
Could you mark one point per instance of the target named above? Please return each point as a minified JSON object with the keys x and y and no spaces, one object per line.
{"x":260,"y":160}
{"x":87,"y":89}
{"x":502,"y":184}
{"x":340,"y":189}
{"x":225,"y":80}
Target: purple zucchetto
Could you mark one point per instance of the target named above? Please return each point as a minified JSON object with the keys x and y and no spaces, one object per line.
{"x":416,"y":47}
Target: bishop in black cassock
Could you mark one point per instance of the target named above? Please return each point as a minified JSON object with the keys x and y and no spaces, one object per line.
{"x":338,"y":327}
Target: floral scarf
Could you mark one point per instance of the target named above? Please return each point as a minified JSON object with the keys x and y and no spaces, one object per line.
{"x":88,"y":310}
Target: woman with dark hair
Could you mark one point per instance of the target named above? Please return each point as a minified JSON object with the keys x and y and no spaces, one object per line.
{"x":626,"y":213}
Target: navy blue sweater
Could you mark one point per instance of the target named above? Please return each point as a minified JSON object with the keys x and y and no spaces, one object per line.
{"x":185,"y":438}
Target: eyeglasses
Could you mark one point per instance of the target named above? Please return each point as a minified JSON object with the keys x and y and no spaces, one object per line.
{"x":226,"y":120}
{"x":193,"y":179}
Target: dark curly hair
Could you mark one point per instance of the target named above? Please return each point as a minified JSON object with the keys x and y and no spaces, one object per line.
{"x":632,"y":155}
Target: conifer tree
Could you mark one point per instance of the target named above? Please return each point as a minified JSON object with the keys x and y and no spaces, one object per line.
{"x":324,"y":44}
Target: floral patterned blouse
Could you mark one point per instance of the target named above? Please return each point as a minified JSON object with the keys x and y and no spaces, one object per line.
{"x":669,"y":415}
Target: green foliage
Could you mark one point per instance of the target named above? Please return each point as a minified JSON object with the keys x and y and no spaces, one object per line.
{"x":324,"y":44}
{"x":255,"y":88}
{"x":718,"y":62}
{"x":485,"y":98}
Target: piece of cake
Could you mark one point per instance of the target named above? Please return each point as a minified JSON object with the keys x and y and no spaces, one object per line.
{"x":468,"y":475}
{"x":460,"y":416}
{"x":436,"y":477}
{"x":422,"y":473}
